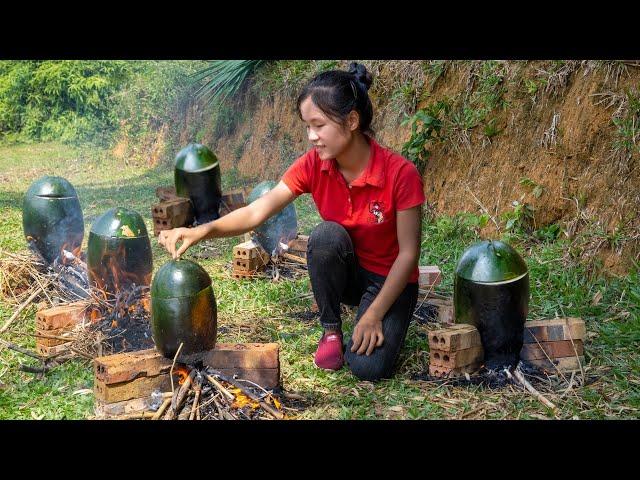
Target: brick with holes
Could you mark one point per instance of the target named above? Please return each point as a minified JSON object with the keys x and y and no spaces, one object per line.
{"x":54,"y":350}
{"x":124,"y":367}
{"x":172,"y":208}
{"x":455,"y":337}
{"x":243,"y":275}
{"x":43,"y":337}
{"x":138,"y":388}
{"x":182,"y":220}
{"x":243,"y":355}
{"x":250,"y":249}
{"x":446,"y":312}
{"x":456,"y":358}
{"x":248,"y":265}
{"x":298,"y":246}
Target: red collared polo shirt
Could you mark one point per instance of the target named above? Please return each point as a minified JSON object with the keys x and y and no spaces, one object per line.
{"x":366,"y":208}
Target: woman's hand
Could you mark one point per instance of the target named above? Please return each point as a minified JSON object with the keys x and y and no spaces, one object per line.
{"x":367,"y":334}
{"x":170,"y":238}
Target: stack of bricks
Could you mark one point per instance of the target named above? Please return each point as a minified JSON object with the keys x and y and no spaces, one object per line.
{"x":454,"y":351}
{"x":248,"y":259}
{"x":54,"y":327}
{"x":123,"y":383}
{"x":554,"y":345}
{"x":173,"y":213}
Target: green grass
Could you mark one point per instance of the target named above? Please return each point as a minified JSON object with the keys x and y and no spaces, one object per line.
{"x":263,"y":311}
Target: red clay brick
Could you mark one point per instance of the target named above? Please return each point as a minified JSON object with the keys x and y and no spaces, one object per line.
{"x":455,"y":337}
{"x":248,"y":250}
{"x":563,"y":348}
{"x":430,"y":276}
{"x":172,"y":208}
{"x":65,"y":316}
{"x":140,"y":387}
{"x":554,"y":330}
{"x":243,"y":355}
{"x":456,"y":358}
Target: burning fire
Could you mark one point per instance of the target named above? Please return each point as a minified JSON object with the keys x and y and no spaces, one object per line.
{"x":70,"y":257}
{"x":242,"y":400}
{"x":182,"y":373}
{"x":111,"y":274}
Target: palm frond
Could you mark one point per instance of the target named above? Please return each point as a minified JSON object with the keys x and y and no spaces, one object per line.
{"x":223,"y":78}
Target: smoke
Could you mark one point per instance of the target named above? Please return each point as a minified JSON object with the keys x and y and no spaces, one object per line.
{"x":55,"y":223}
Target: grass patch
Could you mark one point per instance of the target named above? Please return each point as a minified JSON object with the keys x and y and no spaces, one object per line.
{"x":561,"y":284}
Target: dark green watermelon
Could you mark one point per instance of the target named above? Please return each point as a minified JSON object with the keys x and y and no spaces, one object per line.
{"x":491,"y":291}
{"x":119,"y":251}
{"x":52,"y":217}
{"x":281,"y":227}
{"x":183,"y":309}
{"x":197,"y":177}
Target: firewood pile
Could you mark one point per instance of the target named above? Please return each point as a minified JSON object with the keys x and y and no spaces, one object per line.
{"x":27,"y":279}
{"x":206,"y":394}
{"x":120,"y":322}
{"x":108,"y":323}
{"x":229,"y":382}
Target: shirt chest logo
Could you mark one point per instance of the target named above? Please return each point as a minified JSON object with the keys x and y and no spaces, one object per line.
{"x":376,"y":208}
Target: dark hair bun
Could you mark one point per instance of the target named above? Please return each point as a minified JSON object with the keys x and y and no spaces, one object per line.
{"x":361,"y":74}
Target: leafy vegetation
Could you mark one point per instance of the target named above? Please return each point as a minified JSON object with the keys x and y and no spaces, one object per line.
{"x":425,"y":129}
{"x":223,"y":78}
{"x":80,"y":101}
{"x":66,"y":100}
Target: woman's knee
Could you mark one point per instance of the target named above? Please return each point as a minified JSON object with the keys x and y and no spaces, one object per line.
{"x":369,"y":368}
{"x":327,"y":235}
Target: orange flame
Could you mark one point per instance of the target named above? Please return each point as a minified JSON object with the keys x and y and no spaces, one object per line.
{"x":95,"y":315}
{"x":182,"y":373}
{"x":110,"y":274}
{"x":242,"y":400}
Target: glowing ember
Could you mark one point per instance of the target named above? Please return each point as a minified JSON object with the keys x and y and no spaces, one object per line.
{"x":95,"y":315}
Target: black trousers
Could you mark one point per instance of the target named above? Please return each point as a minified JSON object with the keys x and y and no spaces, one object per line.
{"x":336,"y":277}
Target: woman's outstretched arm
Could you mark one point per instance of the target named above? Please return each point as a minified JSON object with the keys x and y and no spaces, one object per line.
{"x":235,"y":223}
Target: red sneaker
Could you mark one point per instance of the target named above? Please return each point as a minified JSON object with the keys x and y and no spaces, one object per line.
{"x":329,"y":353}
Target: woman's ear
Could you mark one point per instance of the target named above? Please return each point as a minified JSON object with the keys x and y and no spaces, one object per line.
{"x":353,"y":120}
